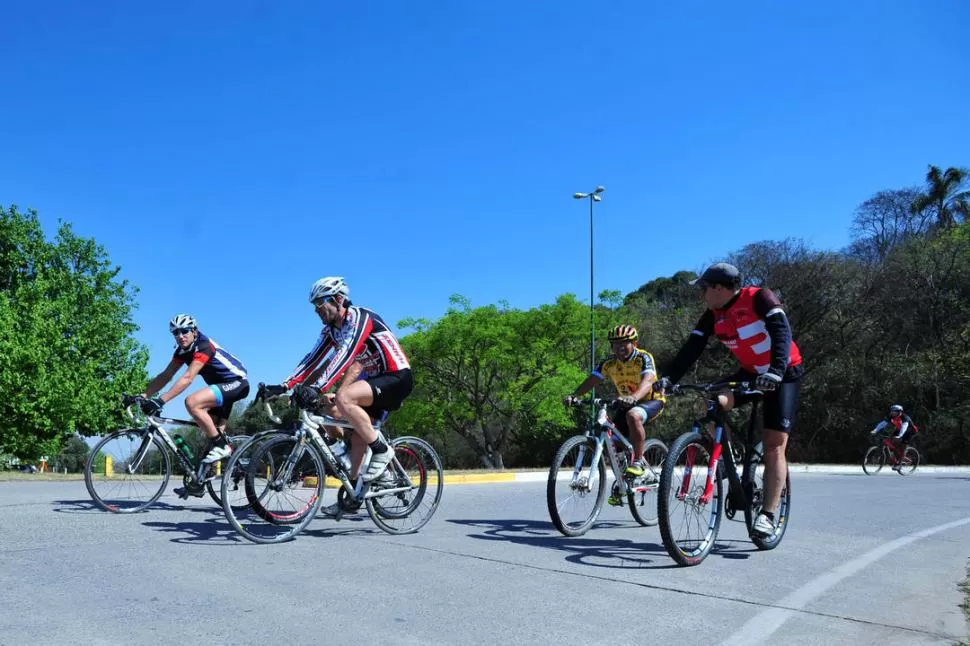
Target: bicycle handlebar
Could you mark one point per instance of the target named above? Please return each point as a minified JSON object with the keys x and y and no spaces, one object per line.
{"x":583,"y":403}
{"x":736,"y":387}
{"x":261,"y":396}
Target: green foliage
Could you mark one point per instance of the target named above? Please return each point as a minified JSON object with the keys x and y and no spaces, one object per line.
{"x":492,"y":375}
{"x":73,"y":455}
{"x":66,"y":343}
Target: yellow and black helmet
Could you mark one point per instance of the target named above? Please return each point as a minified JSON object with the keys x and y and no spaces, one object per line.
{"x":622,"y":333}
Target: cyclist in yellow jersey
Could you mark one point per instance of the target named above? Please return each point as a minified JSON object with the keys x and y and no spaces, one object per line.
{"x":633,"y":372}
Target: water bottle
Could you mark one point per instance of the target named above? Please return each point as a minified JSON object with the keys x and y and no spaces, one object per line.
{"x":184,"y":447}
{"x":339,"y":449}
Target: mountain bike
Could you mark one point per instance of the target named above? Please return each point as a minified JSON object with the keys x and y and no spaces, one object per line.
{"x":576,"y":488}
{"x":279,"y":478}
{"x":691,"y":494}
{"x":879,"y":454}
{"x":128,"y":470}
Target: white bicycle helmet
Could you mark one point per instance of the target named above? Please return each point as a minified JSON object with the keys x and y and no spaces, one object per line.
{"x":329,"y":286}
{"x":182,"y":321}
{"x":896,"y":408}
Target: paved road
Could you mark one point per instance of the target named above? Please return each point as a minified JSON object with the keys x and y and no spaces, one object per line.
{"x":865,"y":561}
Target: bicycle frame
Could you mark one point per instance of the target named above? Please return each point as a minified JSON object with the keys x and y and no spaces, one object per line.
{"x":309,"y":431}
{"x":721,"y":449}
{"x":605,"y":433}
{"x":154,"y":427}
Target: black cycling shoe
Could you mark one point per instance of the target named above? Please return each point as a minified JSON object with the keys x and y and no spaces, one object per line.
{"x":185,"y":492}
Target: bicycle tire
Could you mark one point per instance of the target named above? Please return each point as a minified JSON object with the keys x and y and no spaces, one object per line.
{"x":120,"y":479}
{"x":873,"y":460}
{"x":690,"y":550}
{"x":751,"y":480}
{"x":578,"y":485}
{"x":909,"y":462}
{"x":643,"y":496}
{"x":215,"y":490}
{"x":414,"y":459}
{"x":275,"y":515}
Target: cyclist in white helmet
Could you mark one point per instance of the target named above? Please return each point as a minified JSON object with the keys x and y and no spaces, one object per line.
{"x":904,"y":428}
{"x":209,"y":407}
{"x":352,"y":334}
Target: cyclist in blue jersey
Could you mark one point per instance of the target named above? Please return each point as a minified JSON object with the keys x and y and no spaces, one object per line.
{"x":211,"y":406}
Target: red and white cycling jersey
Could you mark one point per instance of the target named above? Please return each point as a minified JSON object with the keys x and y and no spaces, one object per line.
{"x":741,"y":327}
{"x":363,"y":337}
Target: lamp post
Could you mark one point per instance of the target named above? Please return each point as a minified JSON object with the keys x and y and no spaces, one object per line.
{"x":593,"y":196}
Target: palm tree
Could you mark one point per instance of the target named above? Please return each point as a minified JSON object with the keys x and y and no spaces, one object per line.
{"x":944,"y":197}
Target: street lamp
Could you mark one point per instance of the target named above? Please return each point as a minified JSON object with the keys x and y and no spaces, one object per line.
{"x":593,"y":196}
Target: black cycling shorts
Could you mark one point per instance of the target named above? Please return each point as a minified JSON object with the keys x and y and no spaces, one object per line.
{"x":650,"y":409}
{"x":227,"y":394}
{"x":389,"y":391}
{"x":780,"y":406}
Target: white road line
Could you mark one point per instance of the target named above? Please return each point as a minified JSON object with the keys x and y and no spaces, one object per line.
{"x":761,"y":626}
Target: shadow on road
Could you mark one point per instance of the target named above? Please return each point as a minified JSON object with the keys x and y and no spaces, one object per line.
{"x":595,"y":552}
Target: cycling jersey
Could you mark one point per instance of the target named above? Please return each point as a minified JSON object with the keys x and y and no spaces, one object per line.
{"x":218,"y":365}
{"x":902,"y":423}
{"x":754,"y":328}
{"x":627,"y":375}
{"x":363,"y":337}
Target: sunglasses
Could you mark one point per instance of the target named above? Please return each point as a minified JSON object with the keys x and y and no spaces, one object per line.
{"x":319,"y":302}
{"x":182,"y":330}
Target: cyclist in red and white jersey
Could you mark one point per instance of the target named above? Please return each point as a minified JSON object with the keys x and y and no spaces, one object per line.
{"x":904,"y":428}
{"x":352,"y":334}
{"x":752,"y":324}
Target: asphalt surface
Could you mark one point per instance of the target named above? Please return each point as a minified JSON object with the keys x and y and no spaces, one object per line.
{"x":866,"y":560}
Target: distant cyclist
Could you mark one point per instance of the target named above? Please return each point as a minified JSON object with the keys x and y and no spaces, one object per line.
{"x":209,"y":407}
{"x":633,"y":372}
{"x":904,"y":429}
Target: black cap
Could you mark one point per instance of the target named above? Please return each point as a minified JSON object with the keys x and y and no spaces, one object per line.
{"x":719,"y":274}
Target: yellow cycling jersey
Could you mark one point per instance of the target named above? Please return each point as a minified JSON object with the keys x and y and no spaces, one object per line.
{"x":627,"y":375}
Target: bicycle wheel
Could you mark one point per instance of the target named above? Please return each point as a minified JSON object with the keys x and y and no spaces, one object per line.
{"x":576,"y":489}
{"x":415,"y":465}
{"x":909,"y":462}
{"x":753,"y":480}
{"x":127,"y":471}
{"x":689,"y":525}
{"x":214,"y":485}
{"x":874,"y":460}
{"x":643,"y":490}
{"x":277,"y":510}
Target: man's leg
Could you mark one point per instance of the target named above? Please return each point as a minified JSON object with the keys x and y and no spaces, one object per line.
{"x":198,"y":405}
{"x":776,"y":468}
{"x":638,"y":435}
{"x":350,"y":403}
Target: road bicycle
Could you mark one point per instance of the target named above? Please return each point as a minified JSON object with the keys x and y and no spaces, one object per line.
{"x":576,"y":488}
{"x":691,"y":495}
{"x":885,"y":452}
{"x":128,"y":470}
{"x":279,"y":478}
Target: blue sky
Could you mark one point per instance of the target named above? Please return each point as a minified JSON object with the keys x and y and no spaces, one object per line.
{"x":227,"y":154}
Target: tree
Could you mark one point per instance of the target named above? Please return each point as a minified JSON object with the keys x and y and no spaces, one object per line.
{"x":493,"y":375}
{"x":886,"y":220}
{"x":66,"y":337}
{"x":74,"y":454}
{"x":943,"y":196}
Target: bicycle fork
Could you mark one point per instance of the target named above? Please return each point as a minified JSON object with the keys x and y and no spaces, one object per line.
{"x":711,"y":469}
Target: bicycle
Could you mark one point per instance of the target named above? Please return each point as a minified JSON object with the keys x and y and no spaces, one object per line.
{"x":284,"y":473}
{"x":583,"y":480}
{"x":136,"y":462}
{"x":876,"y":456}
{"x":691,"y":492}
